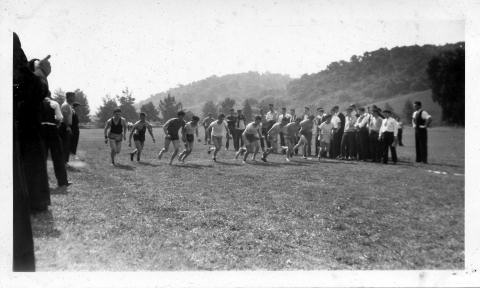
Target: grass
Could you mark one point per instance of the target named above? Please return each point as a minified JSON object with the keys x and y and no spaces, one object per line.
{"x":258,"y":216}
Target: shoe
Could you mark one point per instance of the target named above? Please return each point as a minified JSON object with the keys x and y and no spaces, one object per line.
{"x":214,"y":159}
{"x":159,"y":157}
{"x":209,"y":151}
{"x":131,"y":156}
{"x":263,"y":159}
{"x":304,"y":157}
{"x":286,"y":159}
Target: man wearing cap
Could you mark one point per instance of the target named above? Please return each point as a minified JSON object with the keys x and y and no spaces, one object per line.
{"x":231,"y":121}
{"x":66,"y":127}
{"x":75,"y":129}
{"x":421,"y":120}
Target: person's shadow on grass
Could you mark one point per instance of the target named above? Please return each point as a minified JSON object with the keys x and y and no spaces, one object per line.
{"x":126,"y":167}
{"x":148,"y":164}
{"x":43,"y":225}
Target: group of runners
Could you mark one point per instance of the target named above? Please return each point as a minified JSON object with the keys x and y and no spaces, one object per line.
{"x":364,"y":134}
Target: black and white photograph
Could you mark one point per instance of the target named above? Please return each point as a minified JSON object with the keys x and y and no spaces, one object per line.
{"x":275,"y":137}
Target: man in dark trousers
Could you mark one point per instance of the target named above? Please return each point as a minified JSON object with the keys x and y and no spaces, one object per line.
{"x":75,"y":129}
{"x":421,"y":120}
{"x":51,"y":117}
{"x":66,"y":126}
{"x":388,"y":137}
{"x":231,"y":121}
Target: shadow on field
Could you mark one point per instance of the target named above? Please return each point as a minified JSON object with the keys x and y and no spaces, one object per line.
{"x":126,"y":167}
{"x":228,"y":163}
{"x":43,"y":225}
{"x":148,"y":164}
{"x":268,"y":164}
{"x":193,"y":165}
{"x":444,"y":164}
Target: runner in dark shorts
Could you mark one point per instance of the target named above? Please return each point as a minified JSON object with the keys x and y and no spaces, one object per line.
{"x":252,"y":135}
{"x":115,"y":131}
{"x":171,"y":128}
{"x":138,"y":132}
{"x":188,"y":132}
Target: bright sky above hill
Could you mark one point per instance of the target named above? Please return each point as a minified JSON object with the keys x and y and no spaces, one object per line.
{"x":151,"y":46}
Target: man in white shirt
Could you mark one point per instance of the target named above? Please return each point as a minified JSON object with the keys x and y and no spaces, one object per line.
{"x":66,"y":126}
{"x":347,"y":150}
{"x":421,"y":120}
{"x":388,"y":136}
{"x":362,"y":134}
{"x":219,"y":128}
{"x":319,"y":119}
{"x":271,"y":119}
{"x":374,"y":124}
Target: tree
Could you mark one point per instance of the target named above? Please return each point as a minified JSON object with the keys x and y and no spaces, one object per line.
{"x":408,"y":109}
{"x":83,"y":110}
{"x":226,"y":105}
{"x":447,"y":76}
{"x":209,"y":107}
{"x":126,"y":102}
{"x":151,"y":111}
{"x":169,"y":107}
{"x":59,"y":96}
{"x":247,"y":111}
{"x":105,"y":111}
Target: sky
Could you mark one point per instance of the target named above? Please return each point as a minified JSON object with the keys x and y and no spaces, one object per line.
{"x":149,"y":46}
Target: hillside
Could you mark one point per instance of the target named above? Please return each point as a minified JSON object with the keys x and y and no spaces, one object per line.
{"x":383,"y":75}
{"x":398,"y":102}
{"x":237,"y":86}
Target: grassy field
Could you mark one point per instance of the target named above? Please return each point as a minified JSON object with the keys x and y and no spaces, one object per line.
{"x":262,"y":216}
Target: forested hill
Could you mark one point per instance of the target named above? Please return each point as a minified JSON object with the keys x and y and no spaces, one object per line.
{"x":369,"y":78}
{"x":372,"y":77}
{"x":237,"y":86}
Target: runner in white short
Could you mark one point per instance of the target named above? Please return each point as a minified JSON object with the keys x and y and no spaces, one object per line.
{"x":115,"y":130}
{"x":188,"y":132}
{"x":251,"y":137}
{"x":219,"y":128}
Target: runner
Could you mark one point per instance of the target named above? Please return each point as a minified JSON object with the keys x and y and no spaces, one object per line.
{"x":272,"y":134}
{"x":205,"y":123}
{"x":188,"y":137}
{"x":115,"y":131}
{"x":305,"y":135}
{"x":324,"y":136}
{"x":171,"y":128}
{"x":219,"y":129}
{"x":291,"y":136}
{"x":251,"y":137}
{"x":138,"y":132}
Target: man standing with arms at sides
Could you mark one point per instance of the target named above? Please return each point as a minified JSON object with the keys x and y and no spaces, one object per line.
{"x":138,"y":132}
{"x":362,"y":134}
{"x":75,"y":130}
{"x":374,"y":125}
{"x":348,"y":138}
{"x":319,"y":119}
{"x":388,"y":136}
{"x":271,"y":118}
{"x":335,"y":145}
{"x":421,"y":120}
{"x":205,"y":123}
{"x":219,"y":129}
{"x":239,"y":129}
{"x":115,"y":130}
{"x":66,"y":127}
{"x":305,"y":135}
{"x":282,"y":115}
{"x":231,"y":121}
{"x":400,"y":130}
{"x":171,"y":128}
{"x":306,"y":116}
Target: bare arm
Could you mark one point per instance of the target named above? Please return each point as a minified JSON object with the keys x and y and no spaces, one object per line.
{"x":124,"y":125}
{"x":150,"y":131}
{"x":131,"y":132}
{"x":105,"y":131}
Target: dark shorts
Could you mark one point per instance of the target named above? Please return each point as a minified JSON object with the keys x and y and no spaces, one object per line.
{"x":137,"y":137}
{"x":190,"y":138}
{"x":251,"y":137}
{"x":172,"y":137}
{"x":115,"y":136}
